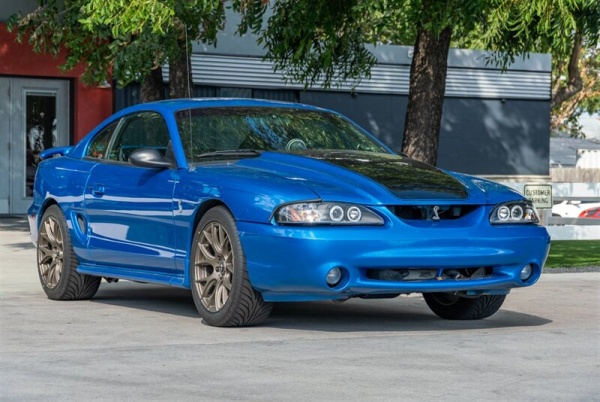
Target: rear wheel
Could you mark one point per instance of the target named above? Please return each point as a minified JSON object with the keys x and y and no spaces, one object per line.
{"x":57,"y":263}
{"x":219,"y":280}
{"x":453,"y":307}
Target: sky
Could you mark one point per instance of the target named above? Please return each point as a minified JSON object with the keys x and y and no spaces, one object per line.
{"x":591,"y":125}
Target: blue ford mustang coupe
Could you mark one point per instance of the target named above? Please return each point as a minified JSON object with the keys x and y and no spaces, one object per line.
{"x":249,"y":202}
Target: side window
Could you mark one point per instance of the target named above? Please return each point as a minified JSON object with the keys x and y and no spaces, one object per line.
{"x":141,"y":130}
{"x":99,"y":145}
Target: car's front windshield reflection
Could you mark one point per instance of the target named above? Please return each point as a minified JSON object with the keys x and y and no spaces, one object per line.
{"x":205,"y":131}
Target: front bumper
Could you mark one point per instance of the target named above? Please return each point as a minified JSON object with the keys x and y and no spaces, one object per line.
{"x":33,"y":228}
{"x":291,"y":263}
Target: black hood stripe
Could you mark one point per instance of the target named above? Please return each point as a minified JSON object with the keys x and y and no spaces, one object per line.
{"x":402,"y":176}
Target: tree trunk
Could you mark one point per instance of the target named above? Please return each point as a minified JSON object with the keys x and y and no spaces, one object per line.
{"x":574,"y":81}
{"x":180,"y":72}
{"x":426,"y":95}
{"x":152,"y":88}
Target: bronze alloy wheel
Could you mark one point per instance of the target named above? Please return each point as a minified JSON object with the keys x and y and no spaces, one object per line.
{"x":57,"y":262}
{"x":50,"y":252}
{"x":222,"y":292}
{"x":214,"y":267}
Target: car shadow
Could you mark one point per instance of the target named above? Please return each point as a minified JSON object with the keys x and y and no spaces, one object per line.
{"x":142,"y":296}
{"x":357,"y":315}
{"x":401,"y":314}
{"x":11,"y":225}
{"x":16,"y":223}
{"x":21,"y":246}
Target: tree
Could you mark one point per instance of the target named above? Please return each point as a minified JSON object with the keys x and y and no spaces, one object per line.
{"x":576,"y":72}
{"x":321,"y":41}
{"x":126,"y":40}
{"x":565,"y":115}
{"x":324,"y":41}
{"x":570,"y":31}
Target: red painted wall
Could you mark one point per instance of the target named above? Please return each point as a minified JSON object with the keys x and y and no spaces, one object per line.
{"x":91,"y":104}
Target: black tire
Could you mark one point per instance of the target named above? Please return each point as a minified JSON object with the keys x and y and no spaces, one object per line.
{"x":57,"y":263}
{"x":219,"y":280}
{"x":453,"y":307}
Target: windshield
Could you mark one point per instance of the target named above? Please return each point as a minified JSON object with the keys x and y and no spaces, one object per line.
{"x":205,"y":131}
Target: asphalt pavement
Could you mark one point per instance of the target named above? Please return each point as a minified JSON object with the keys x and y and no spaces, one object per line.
{"x":135,"y":342}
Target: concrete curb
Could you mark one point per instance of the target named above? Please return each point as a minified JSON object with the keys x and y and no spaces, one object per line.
{"x":570,"y":270}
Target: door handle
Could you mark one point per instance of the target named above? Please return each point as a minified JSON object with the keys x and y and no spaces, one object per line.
{"x":98,"y":190}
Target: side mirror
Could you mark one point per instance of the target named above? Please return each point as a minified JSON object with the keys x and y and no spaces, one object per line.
{"x":149,"y":158}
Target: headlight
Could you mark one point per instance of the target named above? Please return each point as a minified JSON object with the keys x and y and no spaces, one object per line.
{"x":326,"y":213}
{"x":514,"y":212}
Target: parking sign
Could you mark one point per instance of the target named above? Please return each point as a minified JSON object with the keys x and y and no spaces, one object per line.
{"x":539,"y":194}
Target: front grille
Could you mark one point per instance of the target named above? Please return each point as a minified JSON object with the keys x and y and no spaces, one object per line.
{"x":428,"y":274}
{"x":431,"y":212}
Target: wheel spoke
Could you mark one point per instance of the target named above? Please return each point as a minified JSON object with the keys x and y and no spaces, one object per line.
{"x":44,"y":271}
{"x":207,"y":252}
{"x":209,"y":236}
{"x":222,"y":294}
{"x":50,"y":231}
{"x":59,"y":238}
{"x":227,"y":282}
{"x":209,"y":300}
{"x":228,"y":258}
{"x":45,"y":256}
{"x":50,"y":280}
{"x":57,"y":272}
{"x":217,"y":238}
{"x":50,"y":252}
{"x":44,"y":251}
{"x":206,"y":280}
{"x":224,"y":240}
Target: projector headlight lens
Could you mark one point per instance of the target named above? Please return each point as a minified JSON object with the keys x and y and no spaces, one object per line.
{"x":326,"y":213}
{"x":514,"y":212}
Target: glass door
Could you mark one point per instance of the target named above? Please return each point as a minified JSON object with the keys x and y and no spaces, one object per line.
{"x":38,"y":114}
{"x":40,"y":131}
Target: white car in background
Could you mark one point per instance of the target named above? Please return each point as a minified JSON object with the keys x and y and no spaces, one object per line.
{"x":572,"y":209}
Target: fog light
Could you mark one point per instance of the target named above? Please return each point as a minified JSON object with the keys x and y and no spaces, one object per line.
{"x":334,"y":276}
{"x":526,"y":272}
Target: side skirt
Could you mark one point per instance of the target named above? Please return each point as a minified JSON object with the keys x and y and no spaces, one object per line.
{"x":133,"y":275}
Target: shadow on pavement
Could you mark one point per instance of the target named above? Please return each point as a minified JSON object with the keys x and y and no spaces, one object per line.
{"x":163,"y":299}
{"x":395,"y":315}
{"x":401,"y":314}
{"x":12,"y":222}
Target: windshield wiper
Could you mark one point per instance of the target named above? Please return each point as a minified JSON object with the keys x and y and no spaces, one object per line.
{"x":230,"y":153}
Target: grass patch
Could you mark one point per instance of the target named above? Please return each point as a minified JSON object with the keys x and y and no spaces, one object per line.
{"x":574,"y":253}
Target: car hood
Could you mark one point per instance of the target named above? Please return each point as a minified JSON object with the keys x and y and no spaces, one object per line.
{"x":373,"y":178}
{"x":404,"y":177}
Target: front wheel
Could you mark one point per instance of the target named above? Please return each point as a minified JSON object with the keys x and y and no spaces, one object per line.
{"x":57,"y":263}
{"x":453,"y":307}
{"x":219,"y":280}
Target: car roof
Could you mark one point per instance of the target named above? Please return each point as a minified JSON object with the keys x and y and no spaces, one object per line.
{"x":173,"y":105}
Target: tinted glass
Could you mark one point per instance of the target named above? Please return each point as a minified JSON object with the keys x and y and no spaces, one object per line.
{"x":143,"y":130}
{"x":274,"y":129}
{"x":99,"y":145}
